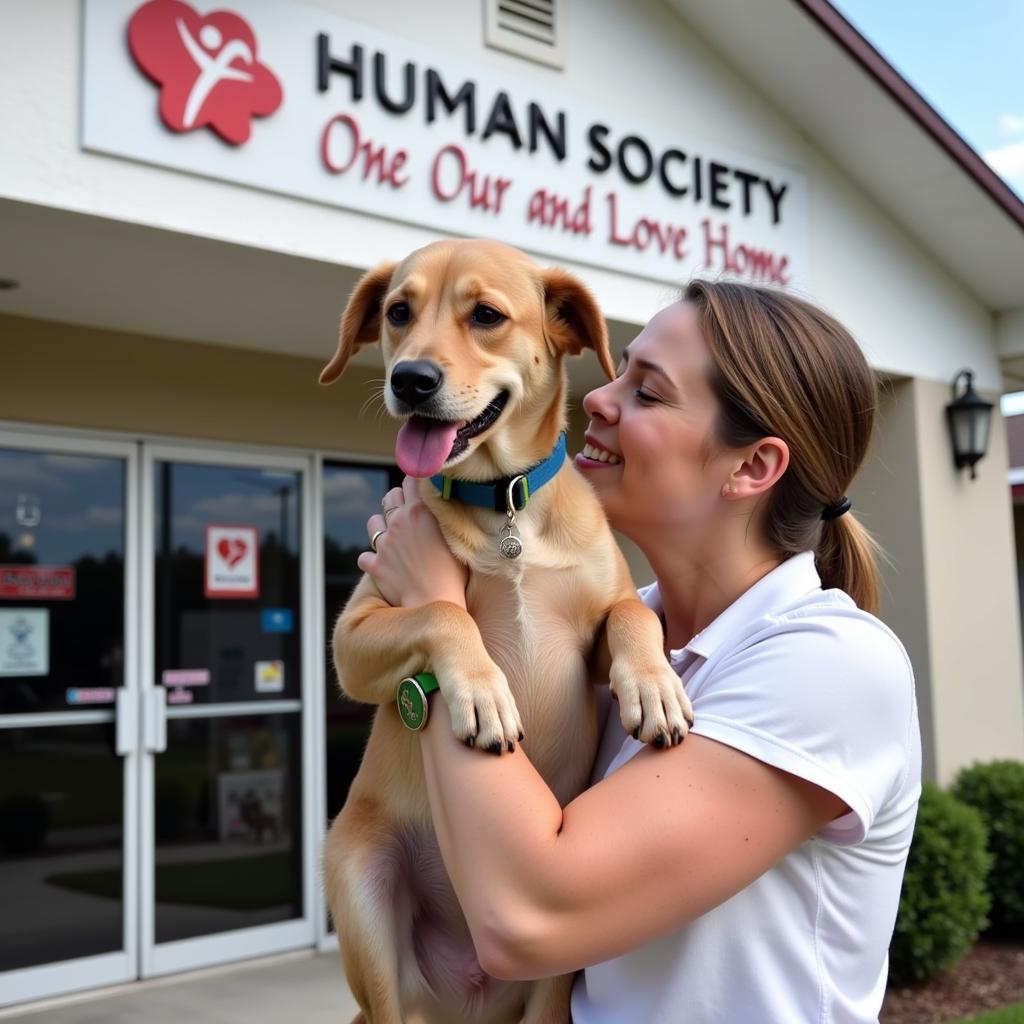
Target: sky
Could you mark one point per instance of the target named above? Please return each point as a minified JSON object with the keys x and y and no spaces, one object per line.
{"x":965,"y":57}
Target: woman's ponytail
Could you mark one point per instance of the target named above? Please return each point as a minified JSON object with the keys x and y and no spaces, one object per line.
{"x":847,"y":558}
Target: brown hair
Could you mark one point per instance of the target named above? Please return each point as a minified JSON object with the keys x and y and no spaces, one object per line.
{"x":784,"y":368}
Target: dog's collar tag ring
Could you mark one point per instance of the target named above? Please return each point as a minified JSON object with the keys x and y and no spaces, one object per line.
{"x":510,"y":544}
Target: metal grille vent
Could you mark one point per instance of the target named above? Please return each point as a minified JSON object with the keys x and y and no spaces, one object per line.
{"x":527,"y":28}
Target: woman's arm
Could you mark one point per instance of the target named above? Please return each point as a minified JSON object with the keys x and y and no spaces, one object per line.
{"x":665,"y":838}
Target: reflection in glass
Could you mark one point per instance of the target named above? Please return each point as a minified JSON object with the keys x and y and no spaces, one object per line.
{"x":228,"y":821}
{"x":65,"y":513}
{"x":230,"y":648}
{"x":351,"y":495}
{"x":61,"y":842}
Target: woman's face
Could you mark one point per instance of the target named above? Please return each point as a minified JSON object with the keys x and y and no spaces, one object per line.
{"x":656,"y":421}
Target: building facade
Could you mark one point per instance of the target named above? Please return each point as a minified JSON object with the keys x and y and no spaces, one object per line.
{"x":187,"y":195}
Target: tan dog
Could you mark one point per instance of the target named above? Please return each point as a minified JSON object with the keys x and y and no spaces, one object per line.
{"x":473,"y":337}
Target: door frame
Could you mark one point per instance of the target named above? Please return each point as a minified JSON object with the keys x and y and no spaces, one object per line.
{"x":204,"y":951}
{"x":63,"y":976}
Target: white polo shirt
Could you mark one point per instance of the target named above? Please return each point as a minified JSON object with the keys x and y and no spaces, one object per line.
{"x":801,"y":679}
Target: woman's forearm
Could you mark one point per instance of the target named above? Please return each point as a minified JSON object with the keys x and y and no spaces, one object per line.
{"x":498,"y":824}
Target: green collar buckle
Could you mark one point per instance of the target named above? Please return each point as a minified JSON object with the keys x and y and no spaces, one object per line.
{"x":413,"y":691}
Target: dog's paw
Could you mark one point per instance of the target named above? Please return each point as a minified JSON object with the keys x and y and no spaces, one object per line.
{"x":483,"y":710}
{"x":653,"y":705}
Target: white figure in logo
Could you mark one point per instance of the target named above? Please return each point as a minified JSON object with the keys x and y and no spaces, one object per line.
{"x":211,"y":69}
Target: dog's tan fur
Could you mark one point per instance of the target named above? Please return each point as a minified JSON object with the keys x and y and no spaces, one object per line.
{"x":518,"y":657}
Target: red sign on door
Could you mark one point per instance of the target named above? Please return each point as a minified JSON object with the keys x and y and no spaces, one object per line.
{"x":37,"y":582}
{"x":232,"y":561}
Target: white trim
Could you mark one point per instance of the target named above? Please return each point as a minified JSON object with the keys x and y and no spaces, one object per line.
{"x":249,"y":707}
{"x":1015,"y":475}
{"x":223,"y":947}
{"x":89,"y":435}
{"x":33,"y":983}
{"x":42,"y":719}
{"x":147,"y":582}
{"x":132,"y":762}
{"x":220,"y":947}
{"x":106,"y":968}
{"x":318,"y":730}
{"x":310,"y":542}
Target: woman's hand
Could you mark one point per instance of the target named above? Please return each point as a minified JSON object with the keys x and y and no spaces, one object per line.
{"x":413,"y":565}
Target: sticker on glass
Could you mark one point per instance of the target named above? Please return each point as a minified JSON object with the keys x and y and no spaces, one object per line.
{"x":185,"y":677}
{"x":269,"y":676}
{"x":24,"y":642}
{"x":232,"y":563}
{"x":90,"y":695}
{"x":37,"y":582}
{"x":276,"y":620}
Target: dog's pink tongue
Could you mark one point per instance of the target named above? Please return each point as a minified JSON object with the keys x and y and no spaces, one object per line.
{"x":423,"y":446}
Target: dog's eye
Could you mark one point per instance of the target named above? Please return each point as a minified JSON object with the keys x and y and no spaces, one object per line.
{"x":398,"y":313}
{"x":486,"y":316}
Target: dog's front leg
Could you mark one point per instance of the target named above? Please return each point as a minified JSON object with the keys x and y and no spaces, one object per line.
{"x":653,"y":705}
{"x":376,"y":646}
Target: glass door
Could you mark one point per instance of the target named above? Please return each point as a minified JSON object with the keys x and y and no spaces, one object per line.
{"x":68,"y":716}
{"x":227,"y":850}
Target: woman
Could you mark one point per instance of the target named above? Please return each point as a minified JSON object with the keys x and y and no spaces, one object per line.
{"x":751,"y":874}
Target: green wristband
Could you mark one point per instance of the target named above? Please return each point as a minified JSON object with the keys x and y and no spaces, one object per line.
{"x":413,"y":691}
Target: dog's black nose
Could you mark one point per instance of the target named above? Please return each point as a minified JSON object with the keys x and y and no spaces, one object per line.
{"x":415,"y":380}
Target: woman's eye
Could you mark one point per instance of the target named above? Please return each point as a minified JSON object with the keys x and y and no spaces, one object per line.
{"x":645,"y":397}
{"x":486,"y":316}
{"x":398,"y":313}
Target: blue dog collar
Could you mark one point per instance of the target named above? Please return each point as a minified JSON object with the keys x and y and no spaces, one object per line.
{"x":494,"y":493}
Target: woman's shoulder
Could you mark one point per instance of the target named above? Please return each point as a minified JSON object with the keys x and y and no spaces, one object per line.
{"x":831,"y":621}
{"x":822,"y":650}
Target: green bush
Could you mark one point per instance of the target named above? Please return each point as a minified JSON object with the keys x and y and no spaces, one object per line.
{"x":996,"y":791}
{"x":944,"y":901}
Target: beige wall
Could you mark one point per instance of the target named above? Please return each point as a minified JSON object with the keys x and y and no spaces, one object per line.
{"x":84,"y":377}
{"x":973,"y":619}
{"x":887,"y":499}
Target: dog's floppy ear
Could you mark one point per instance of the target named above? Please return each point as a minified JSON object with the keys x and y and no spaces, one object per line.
{"x":572,"y":320}
{"x":360,"y":323}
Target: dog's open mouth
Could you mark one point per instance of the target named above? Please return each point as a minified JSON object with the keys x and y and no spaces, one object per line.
{"x":425,"y":444}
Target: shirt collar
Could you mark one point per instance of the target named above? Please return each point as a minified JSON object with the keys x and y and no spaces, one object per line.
{"x":779,"y":588}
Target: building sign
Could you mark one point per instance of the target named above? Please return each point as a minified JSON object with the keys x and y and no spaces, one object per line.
{"x":372,"y":122}
{"x":37,"y":582}
{"x":24,"y":642}
{"x":232,"y":562}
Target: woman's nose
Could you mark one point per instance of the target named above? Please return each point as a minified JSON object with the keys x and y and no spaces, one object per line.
{"x":599,"y":402}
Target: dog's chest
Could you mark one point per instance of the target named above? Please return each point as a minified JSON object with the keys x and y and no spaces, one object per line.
{"x":531,"y":625}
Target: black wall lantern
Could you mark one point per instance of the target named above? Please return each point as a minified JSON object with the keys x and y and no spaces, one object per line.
{"x":970,"y":418}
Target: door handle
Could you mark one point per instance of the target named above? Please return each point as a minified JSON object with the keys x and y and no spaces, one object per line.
{"x":126,"y":729}
{"x":155,"y":720}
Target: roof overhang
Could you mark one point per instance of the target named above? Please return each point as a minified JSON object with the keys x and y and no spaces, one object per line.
{"x":811,"y":63}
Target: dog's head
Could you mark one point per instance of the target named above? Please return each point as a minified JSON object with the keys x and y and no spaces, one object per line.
{"x":473,"y":335}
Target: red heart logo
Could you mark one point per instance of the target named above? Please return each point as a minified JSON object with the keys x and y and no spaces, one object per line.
{"x":232,"y":550}
{"x":207,"y":68}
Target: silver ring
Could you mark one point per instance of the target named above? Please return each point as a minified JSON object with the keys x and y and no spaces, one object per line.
{"x":375,"y":538}
{"x":390,"y":508}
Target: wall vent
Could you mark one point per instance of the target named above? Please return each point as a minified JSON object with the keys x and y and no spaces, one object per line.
{"x":534,"y":29}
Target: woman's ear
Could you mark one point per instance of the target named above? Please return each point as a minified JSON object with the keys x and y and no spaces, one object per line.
{"x":572,"y":320}
{"x":360,"y":323}
{"x":763,"y":464}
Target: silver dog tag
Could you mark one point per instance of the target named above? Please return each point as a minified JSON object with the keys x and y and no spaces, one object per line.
{"x":510,"y":546}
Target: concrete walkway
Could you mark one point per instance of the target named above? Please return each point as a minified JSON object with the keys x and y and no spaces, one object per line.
{"x":297,"y":988}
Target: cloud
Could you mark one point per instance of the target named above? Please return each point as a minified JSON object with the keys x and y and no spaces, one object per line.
{"x":1008,"y":161}
{"x":1011,"y":125}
